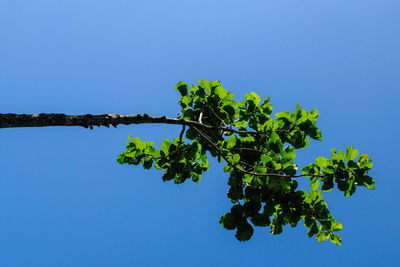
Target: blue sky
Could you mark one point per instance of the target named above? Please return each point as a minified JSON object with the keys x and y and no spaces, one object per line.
{"x":64,"y":201}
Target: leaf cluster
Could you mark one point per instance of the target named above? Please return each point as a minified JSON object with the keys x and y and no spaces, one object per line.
{"x":180,"y":161}
{"x":258,"y":152}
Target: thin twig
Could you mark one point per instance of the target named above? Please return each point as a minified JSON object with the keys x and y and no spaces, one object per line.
{"x":181,"y":134}
{"x":249,"y":149}
{"x":253,"y":173}
{"x":216,"y":115}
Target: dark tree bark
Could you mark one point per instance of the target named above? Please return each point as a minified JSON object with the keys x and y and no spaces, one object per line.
{"x":11,"y":120}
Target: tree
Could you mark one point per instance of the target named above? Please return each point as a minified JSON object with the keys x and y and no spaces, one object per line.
{"x":258,"y":152}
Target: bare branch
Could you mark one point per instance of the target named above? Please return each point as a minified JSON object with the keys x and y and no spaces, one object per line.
{"x":11,"y":120}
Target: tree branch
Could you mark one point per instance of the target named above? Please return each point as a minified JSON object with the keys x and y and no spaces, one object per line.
{"x":11,"y":120}
{"x":253,"y":173}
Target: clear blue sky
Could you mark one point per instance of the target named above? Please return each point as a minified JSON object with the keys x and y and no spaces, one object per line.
{"x":64,"y":201}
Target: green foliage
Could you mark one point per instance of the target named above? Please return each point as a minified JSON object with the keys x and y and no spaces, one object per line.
{"x":258,"y":151}
{"x":180,"y":161}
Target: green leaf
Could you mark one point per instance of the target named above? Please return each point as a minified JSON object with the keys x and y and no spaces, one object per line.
{"x":158,"y":166}
{"x":237,"y":210}
{"x":182,"y":87}
{"x":227,"y":99}
{"x":342,"y":185}
{"x":316,"y":134}
{"x":274,"y":138}
{"x":230,"y":110}
{"x":191,"y":134}
{"x":339,"y":156}
{"x":266,"y":106}
{"x":247,"y":138}
{"x":285,"y":185}
{"x":231,"y":142}
{"x":186,"y":100}
{"x":168,"y":175}
{"x":314,"y":113}
{"x":165,"y":146}
{"x":364,"y":162}
{"x":276,"y":166}
{"x":322,"y":236}
{"x":351,"y":153}
{"x":140,"y":145}
{"x":315,"y":196}
{"x":309,"y":221}
{"x":205,"y":85}
{"x":229,"y":221}
{"x":306,"y":169}
{"x":352,"y":165}
{"x":227,"y":168}
{"x":251,"y":207}
{"x":313,"y":229}
{"x":275,"y":142}
{"x":321,"y":162}
{"x":336,"y":226}
{"x":368,"y":182}
{"x":244,"y":231}
{"x":148,"y":164}
{"x":261,"y":169}
{"x":298,"y":140}
{"x":235,"y":158}
{"x":269,"y":208}
{"x":314,"y":183}
{"x":253,"y":97}
{"x":335,"y":238}
{"x":260,"y":220}
{"x":290,"y":153}
{"x":248,"y":178}
{"x":220,"y":92}
{"x":351,"y":187}
{"x":265,"y":159}
{"x":284,"y":115}
{"x":256,"y":98}
{"x":363,"y":156}
{"x":327,"y":185}
{"x":240,"y":124}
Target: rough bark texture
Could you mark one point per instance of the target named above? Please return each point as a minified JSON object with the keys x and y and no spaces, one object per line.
{"x":11,"y":120}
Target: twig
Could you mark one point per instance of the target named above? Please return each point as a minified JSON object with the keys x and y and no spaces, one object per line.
{"x":216,"y":115}
{"x":253,"y":173}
